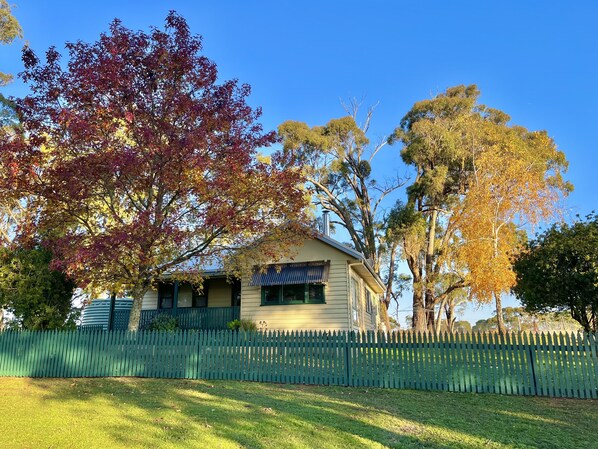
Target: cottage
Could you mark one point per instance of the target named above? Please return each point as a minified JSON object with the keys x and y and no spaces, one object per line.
{"x":326,"y":286}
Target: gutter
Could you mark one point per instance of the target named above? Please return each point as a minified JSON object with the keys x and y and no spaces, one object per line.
{"x":372,"y":272}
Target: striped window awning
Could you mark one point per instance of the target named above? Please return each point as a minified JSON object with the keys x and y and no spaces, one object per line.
{"x":292,"y":273}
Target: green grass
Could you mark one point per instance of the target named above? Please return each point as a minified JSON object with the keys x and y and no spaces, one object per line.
{"x":160,"y":413}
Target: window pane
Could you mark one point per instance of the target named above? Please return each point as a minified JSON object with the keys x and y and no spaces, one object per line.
{"x":271,"y":294}
{"x":200,"y":300}
{"x":200,"y":296}
{"x":293,"y":293}
{"x":165,"y":296}
{"x":368,"y":300}
{"x":166,"y":302}
{"x":316,"y":293}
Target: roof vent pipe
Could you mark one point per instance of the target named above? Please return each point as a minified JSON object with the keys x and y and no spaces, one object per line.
{"x":326,"y":223}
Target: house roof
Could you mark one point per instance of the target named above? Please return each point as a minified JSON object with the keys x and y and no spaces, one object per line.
{"x":340,"y":246}
{"x":368,"y":273}
{"x":292,"y":273}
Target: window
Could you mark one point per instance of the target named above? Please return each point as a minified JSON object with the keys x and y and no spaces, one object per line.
{"x":165,"y":296}
{"x":355,"y":300}
{"x":375,"y":309}
{"x":293,"y":294}
{"x":316,"y":293}
{"x":200,"y":298}
{"x":368,"y":300}
{"x":236,"y":293}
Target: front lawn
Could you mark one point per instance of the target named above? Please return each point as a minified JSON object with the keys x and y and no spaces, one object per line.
{"x":161,"y":413}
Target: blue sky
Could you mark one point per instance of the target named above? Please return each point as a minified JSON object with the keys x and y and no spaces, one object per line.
{"x":535,"y":60}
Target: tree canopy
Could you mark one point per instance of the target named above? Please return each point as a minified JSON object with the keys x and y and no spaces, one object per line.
{"x":337,"y":160}
{"x":38,"y":297}
{"x":10,"y":29}
{"x":140,"y":163}
{"x":337,"y":163}
{"x":478,"y":180}
{"x":558,"y":271}
{"x":517,"y":319}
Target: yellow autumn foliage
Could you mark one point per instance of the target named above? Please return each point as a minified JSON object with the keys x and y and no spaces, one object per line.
{"x":512,"y":187}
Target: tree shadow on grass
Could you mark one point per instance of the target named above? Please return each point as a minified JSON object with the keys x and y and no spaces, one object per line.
{"x":183,"y":413}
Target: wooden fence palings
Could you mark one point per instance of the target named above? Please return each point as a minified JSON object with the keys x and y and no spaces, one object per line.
{"x":555,"y":365}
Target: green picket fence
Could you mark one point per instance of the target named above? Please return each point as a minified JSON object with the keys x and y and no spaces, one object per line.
{"x":556,"y":365}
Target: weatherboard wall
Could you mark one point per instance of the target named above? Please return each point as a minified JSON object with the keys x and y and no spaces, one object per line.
{"x":333,"y":315}
{"x":368,"y":321}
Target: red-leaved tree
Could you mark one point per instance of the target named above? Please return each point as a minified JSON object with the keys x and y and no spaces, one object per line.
{"x":140,"y":162}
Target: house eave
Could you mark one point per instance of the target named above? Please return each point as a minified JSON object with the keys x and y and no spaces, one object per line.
{"x":367,"y":272}
{"x":340,"y":246}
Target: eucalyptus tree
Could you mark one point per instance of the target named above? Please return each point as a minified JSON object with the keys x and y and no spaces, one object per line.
{"x":337,"y":164}
{"x":478,"y":181}
{"x":10,"y":29}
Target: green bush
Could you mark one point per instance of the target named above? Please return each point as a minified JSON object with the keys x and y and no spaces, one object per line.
{"x":246,"y":325}
{"x":164,"y":322}
{"x":36,"y":296}
{"x":234,"y":325}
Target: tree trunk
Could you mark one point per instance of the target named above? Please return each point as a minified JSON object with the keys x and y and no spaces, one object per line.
{"x":388,"y":293}
{"x":429,"y":277}
{"x":419,"y":311}
{"x":391,"y":274}
{"x":430,"y":317}
{"x":438,"y":323}
{"x":499,"y":318}
{"x":385,"y":316}
{"x":449,"y":310}
{"x":135,"y":315}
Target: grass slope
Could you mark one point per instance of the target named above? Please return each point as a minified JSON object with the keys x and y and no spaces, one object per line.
{"x":161,"y":413}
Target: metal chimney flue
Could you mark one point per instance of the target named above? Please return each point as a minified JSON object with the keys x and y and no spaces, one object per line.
{"x":326,"y":223}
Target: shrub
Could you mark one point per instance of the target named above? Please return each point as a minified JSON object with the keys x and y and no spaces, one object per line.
{"x":246,"y":325}
{"x":164,"y":322}
{"x":234,"y":325}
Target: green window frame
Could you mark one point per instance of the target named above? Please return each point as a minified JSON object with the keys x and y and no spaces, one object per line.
{"x":278,"y":295}
{"x":199,"y":299}
{"x":165,"y":296}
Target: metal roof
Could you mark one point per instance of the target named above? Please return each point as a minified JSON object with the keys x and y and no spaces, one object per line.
{"x":340,"y":246}
{"x":292,"y":273}
{"x":353,"y":253}
{"x":216,"y":269}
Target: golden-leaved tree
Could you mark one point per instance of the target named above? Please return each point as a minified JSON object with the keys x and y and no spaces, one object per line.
{"x":478,"y":181}
{"x":514,"y":183}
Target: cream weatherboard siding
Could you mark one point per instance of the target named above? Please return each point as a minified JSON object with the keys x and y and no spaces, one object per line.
{"x":333,"y":315}
{"x":367,"y":321}
{"x":150,"y":300}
